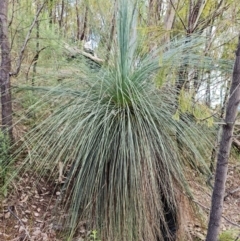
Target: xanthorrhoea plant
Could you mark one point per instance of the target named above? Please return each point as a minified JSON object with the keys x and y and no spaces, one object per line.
{"x":116,"y":139}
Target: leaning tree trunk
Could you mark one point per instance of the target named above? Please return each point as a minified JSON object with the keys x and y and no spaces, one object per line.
{"x":224,"y":150}
{"x":5,"y":69}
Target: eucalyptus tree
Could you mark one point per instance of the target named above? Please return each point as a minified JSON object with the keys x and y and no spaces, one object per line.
{"x":224,"y":152}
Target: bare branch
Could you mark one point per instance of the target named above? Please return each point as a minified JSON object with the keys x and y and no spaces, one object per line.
{"x":20,"y":59}
{"x":74,"y":51}
{"x":12,"y":16}
{"x":20,"y":221}
{"x":184,"y":26}
{"x":34,"y":60}
{"x":232,"y":192}
{"x":208,"y":209}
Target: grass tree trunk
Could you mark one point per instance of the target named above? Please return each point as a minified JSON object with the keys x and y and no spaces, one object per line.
{"x":223,"y":154}
{"x":5,"y":69}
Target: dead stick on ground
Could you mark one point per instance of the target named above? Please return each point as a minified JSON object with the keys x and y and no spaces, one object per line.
{"x":20,"y":221}
{"x":232,"y":192}
{"x":228,"y":220}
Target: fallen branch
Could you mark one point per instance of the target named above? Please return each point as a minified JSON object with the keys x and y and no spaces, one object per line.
{"x":228,"y":220}
{"x":74,"y":51}
{"x":236,"y":143}
{"x":232,"y":192}
{"x":20,"y":221}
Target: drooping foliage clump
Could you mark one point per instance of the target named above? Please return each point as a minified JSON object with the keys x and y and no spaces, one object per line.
{"x":122,"y":153}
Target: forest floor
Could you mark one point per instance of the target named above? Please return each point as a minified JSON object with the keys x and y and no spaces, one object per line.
{"x":27,"y":213}
{"x":230,"y":227}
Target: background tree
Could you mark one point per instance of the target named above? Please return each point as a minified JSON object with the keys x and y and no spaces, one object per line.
{"x":224,"y":151}
{"x":6,"y":100}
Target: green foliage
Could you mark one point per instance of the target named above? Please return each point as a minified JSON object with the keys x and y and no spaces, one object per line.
{"x":119,"y":136}
{"x":28,"y":100}
{"x":199,"y":111}
{"x":4,"y":160}
{"x":116,"y":137}
{"x":115,"y":131}
{"x":94,"y":236}
{"x":185,"y":101}
{"x":228,"y":235}
{"x":4,"y":149}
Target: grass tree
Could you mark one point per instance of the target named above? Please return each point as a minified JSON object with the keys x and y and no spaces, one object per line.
{"x":114,"y":137}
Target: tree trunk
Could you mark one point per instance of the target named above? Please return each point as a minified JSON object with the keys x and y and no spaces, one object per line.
{"x":61,"y":15}
{"x":195,"y":11}
{"x":84,"y":31}
{"x":219,"y":129}
{"x":223,"y":154}
{"x":6,"y":100}
{"x":50,"y":9}
{"x":78,"y":21}
{"x":35,"y":59}
{"x":169,"y":19}
{"x":109,"y":46}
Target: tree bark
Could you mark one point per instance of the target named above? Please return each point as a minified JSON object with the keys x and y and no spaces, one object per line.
{"x":6,"y":100}
{"x":169,"y":19}
{"x":50,"y":9}
{"x":223,"y":154}
{"x":35,"y":59}
{"x":78,"y":21}
{"x":84,"y":31}
{"x":109,"y":46}
{"x":62,"y":14}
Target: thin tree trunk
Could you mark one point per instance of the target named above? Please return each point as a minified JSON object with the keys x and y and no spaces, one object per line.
{"x":194,"y":12}
{"x":12,"y":14}
{"x":37,"y":49}
{"x":61,"y":15}
{"x":154,"y":12}
{"x":109,"y":46}
{"x":223,"y":154}
{"x":6,"y":100}
{"x":84,"y":31}
{"x":50,"y":9}
{"x":208,"y":90}
{"x":169,"y":19}
{"x":219,"y":129}
{"x":78,"y":20}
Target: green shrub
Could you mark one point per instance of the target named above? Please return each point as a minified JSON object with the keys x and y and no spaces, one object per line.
{"x":4,"y":160}
{"x":228,"y":235}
